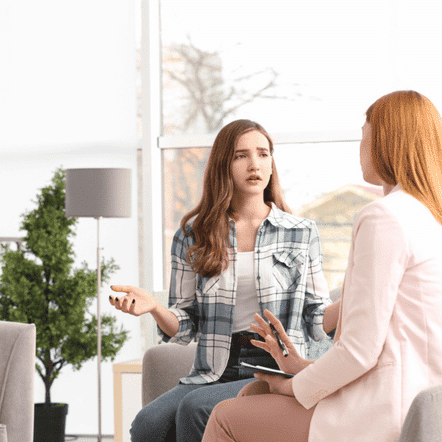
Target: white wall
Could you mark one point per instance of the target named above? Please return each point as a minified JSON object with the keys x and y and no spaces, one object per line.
{"x":68,"y":98}
{"x":21,"y":177}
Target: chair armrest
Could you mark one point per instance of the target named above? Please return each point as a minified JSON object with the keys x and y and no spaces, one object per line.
{"x":163,"y":366}
{"x":423,"y":422}
{"x":17,"y":371}
{"x":335,"y":294}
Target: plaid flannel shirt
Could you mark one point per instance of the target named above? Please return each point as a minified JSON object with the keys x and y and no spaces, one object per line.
{"x":289,"y":283}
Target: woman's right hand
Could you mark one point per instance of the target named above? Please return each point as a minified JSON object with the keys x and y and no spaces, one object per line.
{"x":293,"y":363}
{"x":135,"y":300}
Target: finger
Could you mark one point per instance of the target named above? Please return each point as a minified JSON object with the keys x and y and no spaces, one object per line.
{"x":279,"y":327}
{"x":132,"y":308}
{"x":260,"y":344}
{"x":263,"y":324}
{"x":257,"y":375}
{"x":125,"y":304}
{"x":119,"y":301}
{"x":266,"y":377}
{"x":258,"y":330}
{"x":274,"y":320}
{"x":273,"y":347}
{"x":121,"y":288}
{"x":271,"y":342}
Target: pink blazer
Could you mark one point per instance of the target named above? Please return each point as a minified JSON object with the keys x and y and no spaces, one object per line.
{"x":390,"y":346}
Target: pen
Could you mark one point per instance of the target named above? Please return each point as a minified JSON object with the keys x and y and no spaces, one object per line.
{"x":283,"y":347}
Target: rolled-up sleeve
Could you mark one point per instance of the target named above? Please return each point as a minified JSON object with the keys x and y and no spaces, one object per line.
{"x":317,"y":296}
{"x":182,"y":292}
{"x":376,"y":266}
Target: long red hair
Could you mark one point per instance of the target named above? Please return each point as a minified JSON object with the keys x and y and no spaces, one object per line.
{"x":208,"y":255}
{"x":407,"y":146}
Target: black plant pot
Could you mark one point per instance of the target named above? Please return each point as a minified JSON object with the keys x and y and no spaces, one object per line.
{"x":50,"y":422}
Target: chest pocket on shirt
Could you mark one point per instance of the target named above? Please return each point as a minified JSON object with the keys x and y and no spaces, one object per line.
{"x":209,"y":286}
{"x":286,"y":270}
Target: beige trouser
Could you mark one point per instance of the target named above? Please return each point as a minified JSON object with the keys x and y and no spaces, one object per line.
{"x":256,"y":415}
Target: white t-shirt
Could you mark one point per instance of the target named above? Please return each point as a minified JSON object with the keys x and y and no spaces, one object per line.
{"x":247,"y":303}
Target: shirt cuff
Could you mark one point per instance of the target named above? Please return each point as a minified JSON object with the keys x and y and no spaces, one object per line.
{"x":185,"y":332}
{"x":318,"y":325}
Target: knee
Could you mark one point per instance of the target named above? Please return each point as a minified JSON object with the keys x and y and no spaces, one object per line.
{"x":137,"y":430}
{"x":147,"y":426}
{"x":222,"y":410}
{"x":193,"y":411}
{"x":191,"y":417}
{"x":220,"y":419}
{"x":254,"y":388}
{"x":190,"y":406}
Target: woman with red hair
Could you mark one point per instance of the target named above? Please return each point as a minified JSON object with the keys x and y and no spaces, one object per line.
{"x":239,"y":252}
{"x":388,"y":345}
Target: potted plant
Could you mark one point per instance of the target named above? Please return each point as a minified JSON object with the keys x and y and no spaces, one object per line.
{"x":39,"y":285}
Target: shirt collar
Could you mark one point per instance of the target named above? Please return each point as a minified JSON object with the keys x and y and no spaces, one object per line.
{"x":275,"y":217}
{"x":396,"y":188}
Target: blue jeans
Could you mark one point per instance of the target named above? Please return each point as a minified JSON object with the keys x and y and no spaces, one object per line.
{"x":182,"y":413}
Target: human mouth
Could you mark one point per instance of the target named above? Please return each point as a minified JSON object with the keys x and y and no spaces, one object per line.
{"x":254,"y":178}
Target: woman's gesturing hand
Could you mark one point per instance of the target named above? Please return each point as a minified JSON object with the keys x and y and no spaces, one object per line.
{"x":135,"y":301}
{"x":293,"y":363}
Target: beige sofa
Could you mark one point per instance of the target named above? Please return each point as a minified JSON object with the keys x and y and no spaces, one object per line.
{"x":17,"y":370}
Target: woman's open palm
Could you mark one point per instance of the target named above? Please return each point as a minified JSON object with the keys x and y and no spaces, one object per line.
{"x":136,"y":301}
{"x":287,"y":364}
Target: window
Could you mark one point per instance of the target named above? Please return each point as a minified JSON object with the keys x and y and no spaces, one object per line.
{"x":306,"y":71}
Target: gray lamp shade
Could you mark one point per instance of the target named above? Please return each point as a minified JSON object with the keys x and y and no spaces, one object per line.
{"x":98,"y":193}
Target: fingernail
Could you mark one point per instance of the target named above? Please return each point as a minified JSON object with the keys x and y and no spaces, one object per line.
{"x":112,"y":286}
{"x":110,"y":297}
{"x":116,"y":299}
{"x":133,"y":301}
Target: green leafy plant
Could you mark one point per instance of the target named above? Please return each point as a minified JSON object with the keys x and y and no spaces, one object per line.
{"x":38,"y":285}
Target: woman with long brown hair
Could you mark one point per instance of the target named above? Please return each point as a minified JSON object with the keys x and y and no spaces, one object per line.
{"x":388,"y":346}
{"x":239,"y":252}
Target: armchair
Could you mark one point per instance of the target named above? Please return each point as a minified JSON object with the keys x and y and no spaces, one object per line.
{"x":17,"y":370}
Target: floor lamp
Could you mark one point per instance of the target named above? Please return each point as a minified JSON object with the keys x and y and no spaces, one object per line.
{"x":98,"y":193}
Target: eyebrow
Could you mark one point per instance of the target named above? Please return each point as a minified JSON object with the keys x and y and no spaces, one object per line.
{"x":259,"y":148}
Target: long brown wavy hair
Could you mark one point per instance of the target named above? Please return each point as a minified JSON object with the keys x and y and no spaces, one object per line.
{"x":407,"y":146}
{"x":208,"y":256}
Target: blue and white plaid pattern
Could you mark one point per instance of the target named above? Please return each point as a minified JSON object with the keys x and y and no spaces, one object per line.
{"x":289,"y":283}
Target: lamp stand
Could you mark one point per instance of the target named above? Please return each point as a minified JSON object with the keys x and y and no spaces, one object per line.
{"x":99,"y":326}
{"x":98,"y":193}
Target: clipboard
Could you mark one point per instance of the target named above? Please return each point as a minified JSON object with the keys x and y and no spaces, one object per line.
{"x":266,"y":370}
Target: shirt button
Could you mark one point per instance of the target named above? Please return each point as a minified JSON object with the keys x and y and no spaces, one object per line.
{"x":258,"y":251}
{"x":258,"y":278}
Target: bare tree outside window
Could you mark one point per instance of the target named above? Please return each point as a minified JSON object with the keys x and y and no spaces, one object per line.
{"x":207,"y":97}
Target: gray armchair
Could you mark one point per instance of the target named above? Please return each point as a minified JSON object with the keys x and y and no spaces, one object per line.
{"x":423,"y":422}
{"x":17,"y":370}
{"x":163,"y":366}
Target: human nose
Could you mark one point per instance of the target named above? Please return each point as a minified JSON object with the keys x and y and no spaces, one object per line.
{"x":254,"y":163}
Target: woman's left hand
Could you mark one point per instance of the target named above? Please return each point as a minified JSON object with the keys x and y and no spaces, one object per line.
{"x":277,"y":384}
